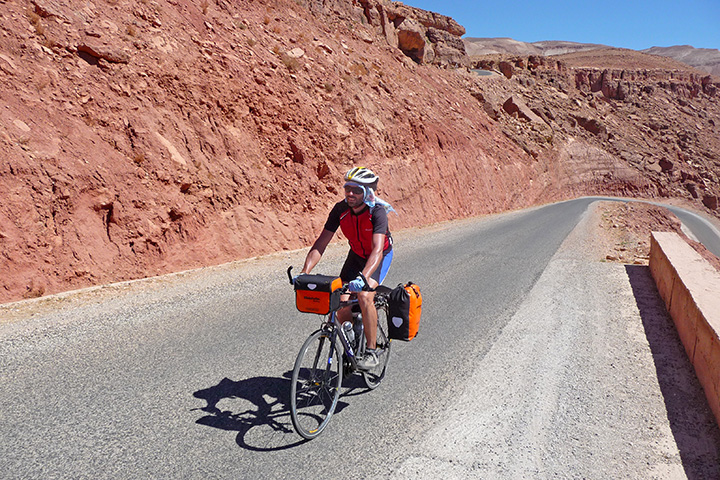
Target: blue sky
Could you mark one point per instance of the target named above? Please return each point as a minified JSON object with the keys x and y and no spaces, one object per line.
{"x":626,"y":24}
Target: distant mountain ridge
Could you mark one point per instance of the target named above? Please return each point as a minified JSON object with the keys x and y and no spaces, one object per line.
{"x":488,"y":46}
{"x":705,"y":59}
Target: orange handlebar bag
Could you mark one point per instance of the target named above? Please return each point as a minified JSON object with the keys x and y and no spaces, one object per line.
{"x":317,"y":293}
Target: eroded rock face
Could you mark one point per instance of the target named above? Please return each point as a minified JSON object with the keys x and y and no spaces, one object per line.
{"x":150,"y":137}
{"x":660,"y":123}
{"x":426,"y":37}
{"x":411,"y":40}
{"x":618,"y":84}
{"x":143,"y":138}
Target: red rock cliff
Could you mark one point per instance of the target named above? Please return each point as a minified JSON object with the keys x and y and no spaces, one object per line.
{"x":148,"y":137}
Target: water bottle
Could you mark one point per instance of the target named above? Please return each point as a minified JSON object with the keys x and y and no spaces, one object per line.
{"x":349,"y":333}
{"x":359,"y":329}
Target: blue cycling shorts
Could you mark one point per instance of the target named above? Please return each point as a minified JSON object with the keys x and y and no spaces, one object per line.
{"x":354,"y":264}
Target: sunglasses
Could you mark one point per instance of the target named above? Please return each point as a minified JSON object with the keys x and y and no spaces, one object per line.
{"x":355,"y":190}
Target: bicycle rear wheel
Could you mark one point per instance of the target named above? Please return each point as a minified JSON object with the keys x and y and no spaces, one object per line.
{"x":374,"y":376}
{"x":316,"y":382}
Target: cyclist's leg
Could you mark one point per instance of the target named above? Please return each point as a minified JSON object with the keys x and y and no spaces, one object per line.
{"x":367,"y":301}
{"x":344,"y":314}
{"x":374,"y":375}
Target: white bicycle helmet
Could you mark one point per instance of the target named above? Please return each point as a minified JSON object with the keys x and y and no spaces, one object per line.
{"x":362,"y":176}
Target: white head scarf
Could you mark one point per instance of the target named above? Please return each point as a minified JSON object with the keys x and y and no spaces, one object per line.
{"x":369,"y":197}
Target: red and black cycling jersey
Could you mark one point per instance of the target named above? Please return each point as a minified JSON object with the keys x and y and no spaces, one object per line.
{"x":359,"y":228}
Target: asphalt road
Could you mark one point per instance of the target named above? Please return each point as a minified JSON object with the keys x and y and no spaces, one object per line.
{"x":188,"y":376}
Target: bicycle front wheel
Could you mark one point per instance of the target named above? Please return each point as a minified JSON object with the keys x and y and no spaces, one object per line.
{"x":316,"y":382}
{"x":374,"y":376}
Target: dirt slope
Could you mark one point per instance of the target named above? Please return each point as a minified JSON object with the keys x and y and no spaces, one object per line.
{"x":150,"y":136}
{"x":145,"y":137}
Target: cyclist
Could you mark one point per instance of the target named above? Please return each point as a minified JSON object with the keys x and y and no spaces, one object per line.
{"x":362,"y":217}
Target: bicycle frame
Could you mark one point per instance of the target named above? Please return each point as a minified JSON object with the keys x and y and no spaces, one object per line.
{"x":336,"y":327}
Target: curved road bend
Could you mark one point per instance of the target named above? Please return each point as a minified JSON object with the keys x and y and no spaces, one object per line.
{"x":531,"y":362}
{"x":695,"y":225}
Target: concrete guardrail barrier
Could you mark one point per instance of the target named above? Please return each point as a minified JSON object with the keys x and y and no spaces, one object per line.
{"x":690,"y":288}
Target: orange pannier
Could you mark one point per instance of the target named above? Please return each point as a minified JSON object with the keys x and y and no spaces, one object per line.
{"x":404,"y":311}
{"x":317,"y":293}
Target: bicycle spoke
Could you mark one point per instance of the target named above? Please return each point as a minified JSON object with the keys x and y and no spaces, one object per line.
{"x":315,"y":385}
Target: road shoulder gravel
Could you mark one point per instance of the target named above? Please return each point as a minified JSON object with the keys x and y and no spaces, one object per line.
{"x":557,"y":395}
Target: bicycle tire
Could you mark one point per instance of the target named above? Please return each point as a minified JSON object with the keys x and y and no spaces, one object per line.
{"x":374,"y":376}
{"x":316,"y":382}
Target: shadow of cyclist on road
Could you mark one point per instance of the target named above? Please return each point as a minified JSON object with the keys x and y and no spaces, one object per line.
{"x":257,"y":408}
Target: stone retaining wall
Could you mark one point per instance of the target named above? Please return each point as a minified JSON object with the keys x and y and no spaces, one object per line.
{"x":690,"y":287}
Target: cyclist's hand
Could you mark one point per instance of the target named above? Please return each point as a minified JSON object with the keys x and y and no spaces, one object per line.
{"x":356,"y":285}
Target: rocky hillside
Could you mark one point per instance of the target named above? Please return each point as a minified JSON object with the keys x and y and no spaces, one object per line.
{"x":704,"y":59}
{"x":641,"y":131}
{"x":150,"y":136}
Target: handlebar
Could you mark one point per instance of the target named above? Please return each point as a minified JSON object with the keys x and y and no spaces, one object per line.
{"x":366,"y":287}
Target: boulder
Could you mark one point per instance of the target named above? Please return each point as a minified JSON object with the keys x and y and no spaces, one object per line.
{"x":489,"y":104}
{"x":449,"y":49}
{"x":710,"y":201}
{"x":592,"y":125}
{"x":506,"y":69}
{"x":411,"y":39}
{"x":666,"y":165}
{"x":103,"y":51}
{"x":515,"y":106}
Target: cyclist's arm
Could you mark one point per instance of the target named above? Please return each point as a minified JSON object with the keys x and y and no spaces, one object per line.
{"x":376,"y":255}
{"x":317,"y":250}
